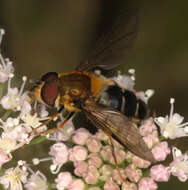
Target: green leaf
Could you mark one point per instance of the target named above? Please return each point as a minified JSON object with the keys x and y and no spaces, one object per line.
{"x":37,"y":140}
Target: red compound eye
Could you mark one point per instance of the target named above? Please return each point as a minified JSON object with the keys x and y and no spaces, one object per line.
{"x":49,"y":91}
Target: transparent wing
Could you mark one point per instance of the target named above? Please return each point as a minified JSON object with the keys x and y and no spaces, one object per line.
{"x":113,"y":46}
{"x":119,"y":126}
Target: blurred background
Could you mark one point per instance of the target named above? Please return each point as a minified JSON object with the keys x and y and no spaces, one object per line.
{"x":43,"y":36}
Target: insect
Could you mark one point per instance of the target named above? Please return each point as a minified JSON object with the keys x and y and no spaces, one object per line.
{"x":82,"y":90}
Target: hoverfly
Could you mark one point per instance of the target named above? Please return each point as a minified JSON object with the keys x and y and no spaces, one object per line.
{"x":82,"y":90}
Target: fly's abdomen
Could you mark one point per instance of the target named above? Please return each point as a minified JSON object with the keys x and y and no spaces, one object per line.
{"x":124,"y":101}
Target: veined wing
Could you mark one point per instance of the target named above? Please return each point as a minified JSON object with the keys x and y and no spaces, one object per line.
{"x":119,"y":126}
{"x":113,"y":46}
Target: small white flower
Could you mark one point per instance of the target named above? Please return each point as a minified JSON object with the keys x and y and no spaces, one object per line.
{"x":6,"y":67}
{"x":14,"y":130}
{"x":145,"y":96}
{"x":37,"y":181}
{"x":63,"y":180}
{"x":14,"y":135}
{"x":59,"y":152}
{"x":125,"y":81}
{"x":33,"y":121}
{"x":8,"y":145}
{"x":172,"y":126}
{"x":13,"y":178}
{"x":64,"y":133}
{"x":14,"y":99}
{"x":179,"y":166}
{"x":43,"y":112}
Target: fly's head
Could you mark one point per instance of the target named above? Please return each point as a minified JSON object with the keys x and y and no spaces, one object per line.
{"x":47,"y":91}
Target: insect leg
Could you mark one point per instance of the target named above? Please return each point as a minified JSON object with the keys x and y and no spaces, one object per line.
{"x":115,"y":160}
{"x":59,"y":127}
{"x":48,"y":121}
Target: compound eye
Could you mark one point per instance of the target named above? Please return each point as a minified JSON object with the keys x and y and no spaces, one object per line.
{"x":49,"y":77}
{"x":49,"y":92}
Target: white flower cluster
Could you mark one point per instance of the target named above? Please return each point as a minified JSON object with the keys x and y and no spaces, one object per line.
{"x":6,"y":68}
{"x":14,"y":178}
{"x":171,"y":126}
{"x":15,"y":130}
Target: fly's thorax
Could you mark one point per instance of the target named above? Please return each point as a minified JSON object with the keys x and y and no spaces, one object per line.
{"x":81,"y":84}
{"x":74,"y":84}
{"x":78,"y":87}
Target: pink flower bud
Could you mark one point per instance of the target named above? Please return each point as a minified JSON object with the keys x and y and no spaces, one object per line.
{"x":37,"y":180}
{"x":77,"y":153}
{"x":95,"y":160}
{"x":160,"y":151}
{"x":116,"y":176}
{"x":106,"y":154}
{"x":81,"y":168}
{"x":64,"y":133}
{"x":147,"y":183}
{"x":63,"y":180}
{"x":159,"y":173}
{"x":92,"y":175}
{"x":179,"y":166}
{"x":93,"y":144}
{"x":147,"y":127}
{"x":106,"y":172}
{"x":132,"y":173}
{"x":60,"y":153}
{"x":120,"y":155}
{"x":111,"y":185}
{"x":151,"y":139}
{"x":129,"y":186}
{"x":139,"y":162}
{"x":80,"y":137}
{"x":76,"y":184}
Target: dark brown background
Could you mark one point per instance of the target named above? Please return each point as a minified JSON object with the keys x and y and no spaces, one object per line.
{"x":44,"y":36}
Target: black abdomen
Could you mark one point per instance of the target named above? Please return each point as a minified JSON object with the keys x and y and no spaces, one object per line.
{"x":124,"y":101}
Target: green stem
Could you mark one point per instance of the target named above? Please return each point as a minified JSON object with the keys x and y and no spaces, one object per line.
{"x":2,"y":85}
